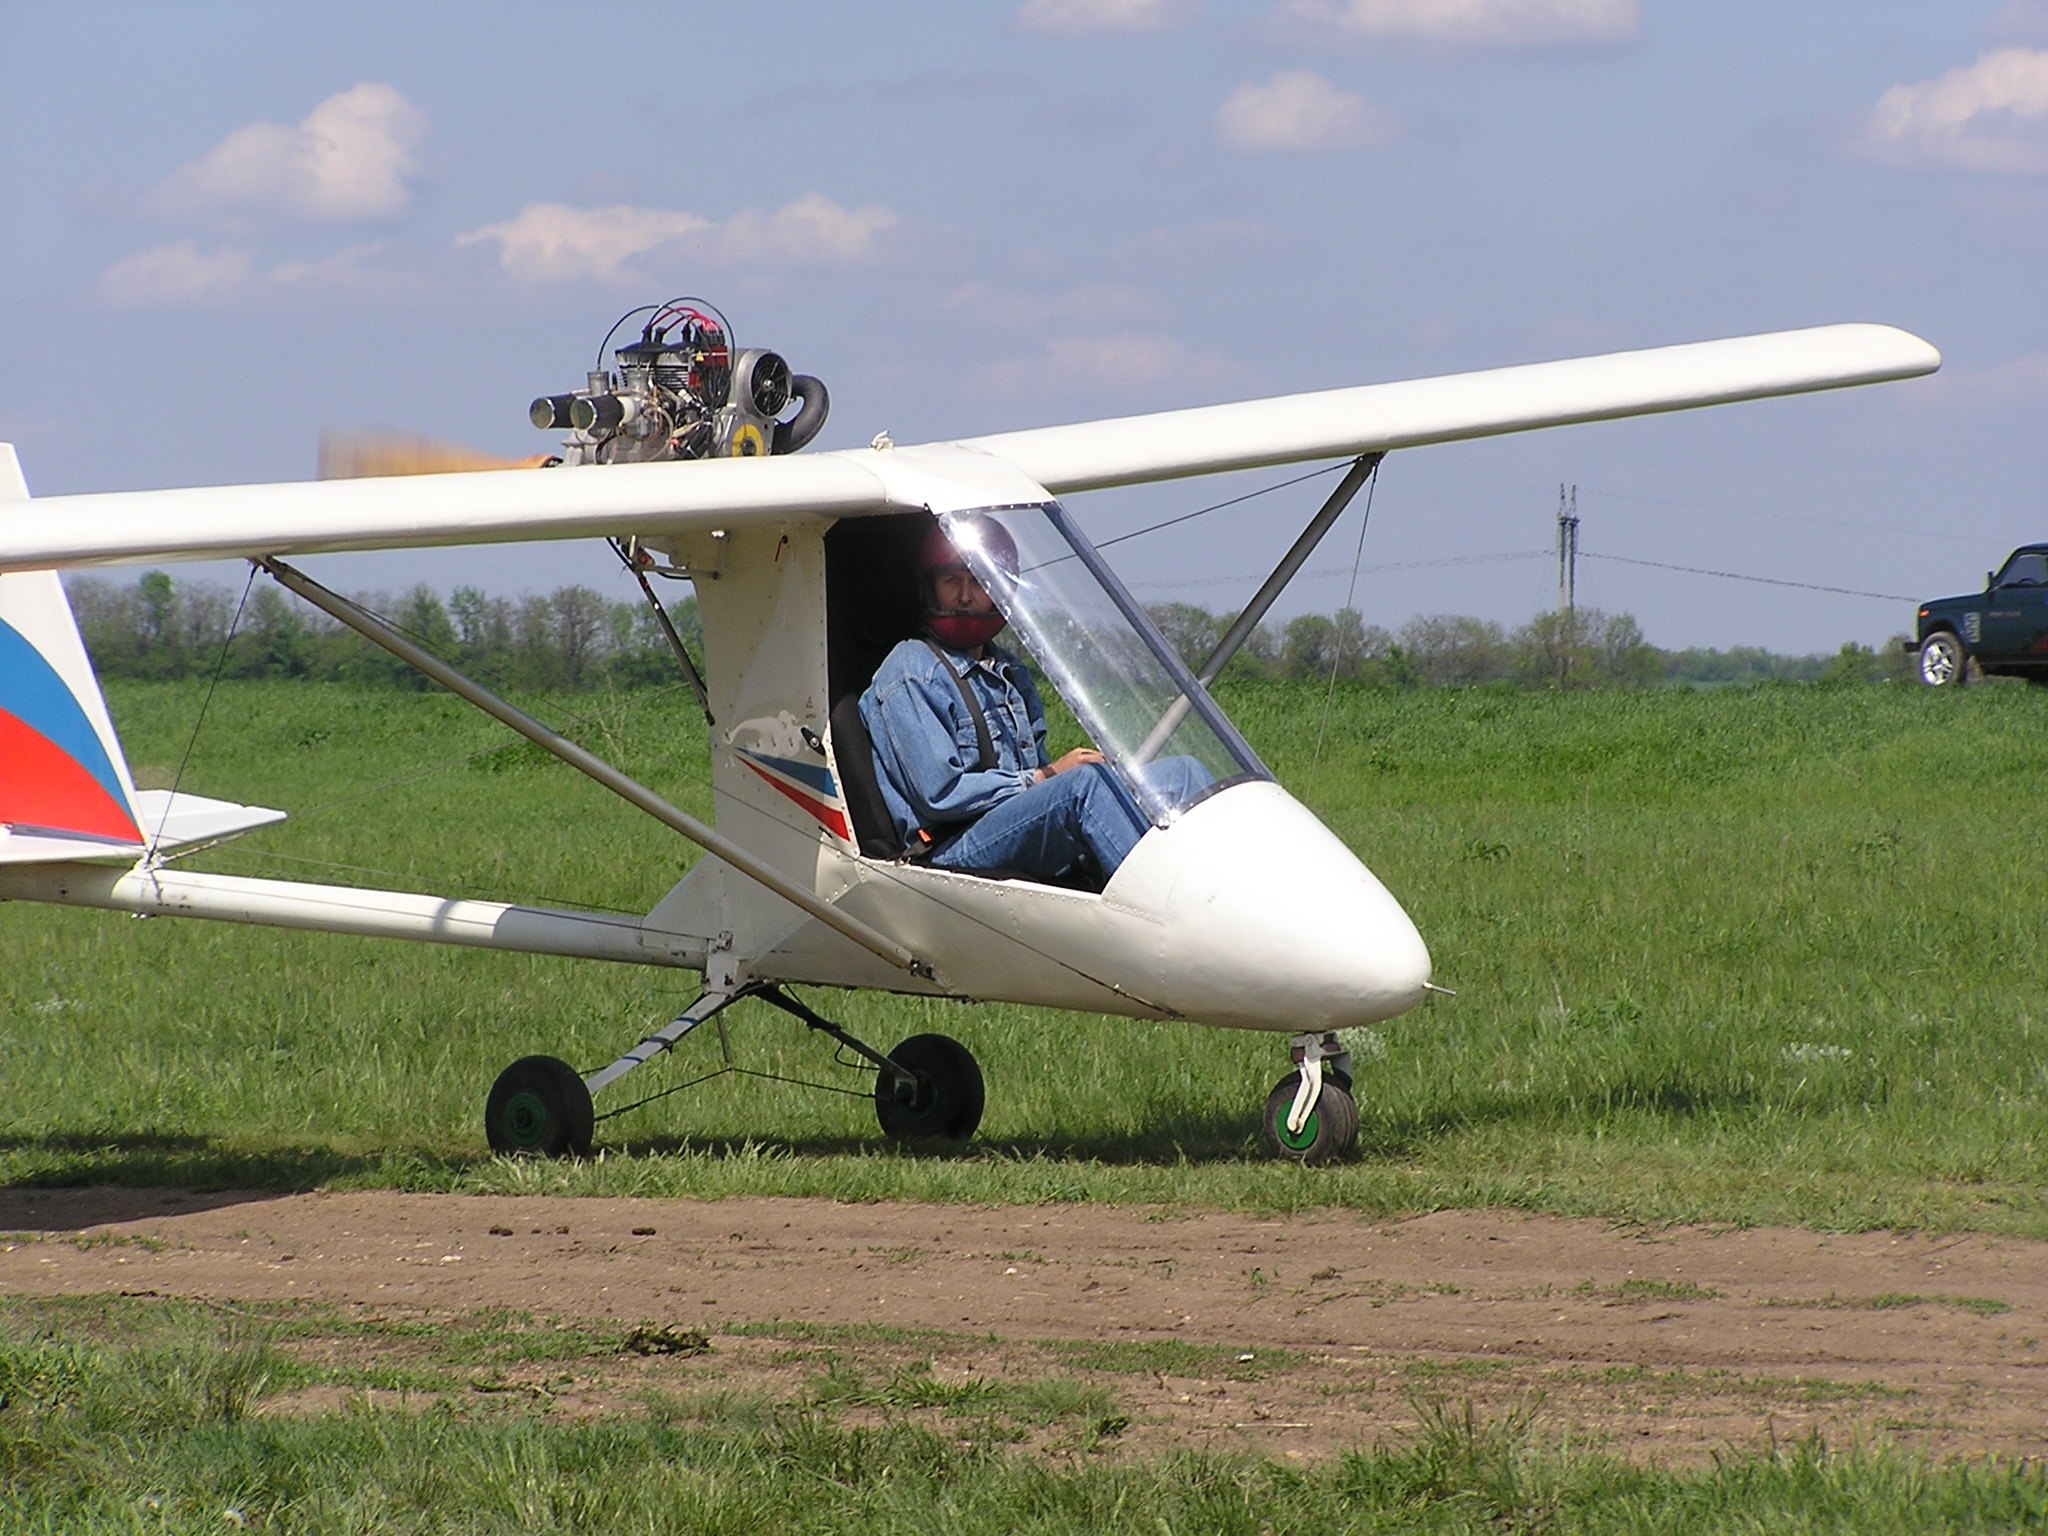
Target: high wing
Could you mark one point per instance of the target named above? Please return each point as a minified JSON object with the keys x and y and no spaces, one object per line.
{"x":1380,"y":417}
{"x":510,"y":505}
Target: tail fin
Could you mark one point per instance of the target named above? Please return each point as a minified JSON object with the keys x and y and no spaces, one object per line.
{"x":65,"y":789}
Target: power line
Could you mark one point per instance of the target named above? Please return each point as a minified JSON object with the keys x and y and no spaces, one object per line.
{"x":1791,"y":517}
{"x":1767,"y":581}
{"x":1327,"y":571}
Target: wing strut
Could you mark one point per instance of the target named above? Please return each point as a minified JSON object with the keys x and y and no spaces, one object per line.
{"x":1361,"y":470}
{"x":378,"y":633}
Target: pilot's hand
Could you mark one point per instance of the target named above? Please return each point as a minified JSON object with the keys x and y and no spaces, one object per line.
{"x":1080,"y":757}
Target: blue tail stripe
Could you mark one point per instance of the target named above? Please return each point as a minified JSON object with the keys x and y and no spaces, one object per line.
{"x":32,"y":692}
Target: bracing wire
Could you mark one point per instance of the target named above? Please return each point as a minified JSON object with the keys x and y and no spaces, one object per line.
{"x":1267,"y":490}
{"x":219,"y":665}
{"x":1337,"y":651}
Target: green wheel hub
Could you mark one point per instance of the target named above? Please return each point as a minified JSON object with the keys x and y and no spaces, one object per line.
{"x":539,"y":1107}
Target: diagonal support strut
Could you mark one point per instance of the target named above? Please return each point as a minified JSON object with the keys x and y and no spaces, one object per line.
{"x":378,"y":633}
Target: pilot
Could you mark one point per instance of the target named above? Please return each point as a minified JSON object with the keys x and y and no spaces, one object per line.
{"x":959,"y":736}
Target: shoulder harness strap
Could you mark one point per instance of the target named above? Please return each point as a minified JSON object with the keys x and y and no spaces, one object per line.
{"x":982,"y":740}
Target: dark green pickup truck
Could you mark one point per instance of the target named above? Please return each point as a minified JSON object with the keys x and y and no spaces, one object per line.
{"x":2003,"y":629}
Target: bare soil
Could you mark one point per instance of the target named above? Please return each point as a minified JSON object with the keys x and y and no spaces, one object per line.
{"x":1303,"y":1336}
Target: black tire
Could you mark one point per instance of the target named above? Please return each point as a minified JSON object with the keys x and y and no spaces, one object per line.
{"x":1331,"y":1130}
{"x":949,"y":1097}
{"x":1943,"y":662}
{"x":539,"y":1108}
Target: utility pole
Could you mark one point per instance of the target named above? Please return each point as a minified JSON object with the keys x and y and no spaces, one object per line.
{"x":1567,"y":580}
{"x":1567,"y":550}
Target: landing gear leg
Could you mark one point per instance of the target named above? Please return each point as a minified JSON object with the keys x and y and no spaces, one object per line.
{"x":1310,"y":1114}
{"x":540,"y":1107}
{"x":928,"y":1089}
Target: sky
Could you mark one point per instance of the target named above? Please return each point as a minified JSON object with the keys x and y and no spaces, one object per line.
{"x":225,"y":227}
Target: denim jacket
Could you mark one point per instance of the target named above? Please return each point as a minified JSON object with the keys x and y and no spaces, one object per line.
{"x":927,"y":755}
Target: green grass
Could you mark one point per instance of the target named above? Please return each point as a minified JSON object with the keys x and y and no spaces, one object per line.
{"x":1694,"y":935}
{"x":150,"y":1417}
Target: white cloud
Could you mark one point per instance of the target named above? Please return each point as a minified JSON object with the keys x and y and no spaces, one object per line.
{"x":1298,"y":112}
{"x":547,"y":242}
{"x":1093,"y":18}
{"x":2017,"y":381}
{"x":1469,"y":23}
{"x":1133,"y":368}
{"x":1988,"y":116}
{"x":1098,"y":304}
{"x":181,"y":275}
{"x":177,"y":274}
{"x":349,"y":160}
{"x":1231,"y":237}
{"x":812,"y":231}
{"x":352,"y":270}
{"x":2020,"y":21}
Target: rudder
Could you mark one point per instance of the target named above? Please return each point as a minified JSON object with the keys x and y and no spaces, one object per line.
{"x":62,"y":774}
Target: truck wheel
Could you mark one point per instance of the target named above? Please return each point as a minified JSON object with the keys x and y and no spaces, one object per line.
{"x":1942,"y":662}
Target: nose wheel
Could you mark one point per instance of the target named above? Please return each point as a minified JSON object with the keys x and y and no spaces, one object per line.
{"x":1310,"y":1115}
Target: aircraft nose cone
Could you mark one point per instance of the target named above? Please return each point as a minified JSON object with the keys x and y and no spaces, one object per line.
{"x":1268,"y":921}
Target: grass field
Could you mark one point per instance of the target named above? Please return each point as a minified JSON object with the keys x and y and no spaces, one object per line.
{"x":121,"y":1415}
{"x":1697,"y":937}
{"x":1768,"y":955}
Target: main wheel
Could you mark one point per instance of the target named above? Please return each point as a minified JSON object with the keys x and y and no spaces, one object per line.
{"x":1327,"y":1134}
{"x":1942,"y":662}
{"x":947,"y":1101}
{"x":539,"y":1107}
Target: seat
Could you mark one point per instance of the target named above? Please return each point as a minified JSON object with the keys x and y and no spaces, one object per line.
{"x":854,"y":755}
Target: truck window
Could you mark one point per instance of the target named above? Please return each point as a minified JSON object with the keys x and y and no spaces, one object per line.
{"x":2028,"y":568}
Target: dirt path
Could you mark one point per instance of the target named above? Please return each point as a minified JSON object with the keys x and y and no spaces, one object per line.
{"x":1669,"y":1344}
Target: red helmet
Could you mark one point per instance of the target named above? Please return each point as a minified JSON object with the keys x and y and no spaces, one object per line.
{"x":956,"y":630}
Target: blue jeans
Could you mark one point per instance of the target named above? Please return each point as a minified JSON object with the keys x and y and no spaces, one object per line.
{"x":1046,"y":830}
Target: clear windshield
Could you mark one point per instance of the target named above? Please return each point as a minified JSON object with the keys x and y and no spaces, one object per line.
{"x":1154,"y":723}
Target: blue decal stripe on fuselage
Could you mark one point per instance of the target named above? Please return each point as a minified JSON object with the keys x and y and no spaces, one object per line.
{"x":32,"y":692}
{"x":809,"y":774}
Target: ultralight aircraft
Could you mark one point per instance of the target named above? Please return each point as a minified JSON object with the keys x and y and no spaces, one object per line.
{"x":1237,"y":908}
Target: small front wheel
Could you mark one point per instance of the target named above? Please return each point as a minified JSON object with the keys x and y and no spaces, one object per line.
{"x":943,"y":1098}
{"x":1327,"y":1134}
{"x":539,"y":1107}
{"x":1942,"y":661}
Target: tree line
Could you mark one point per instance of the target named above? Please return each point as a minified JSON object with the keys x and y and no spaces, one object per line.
{"x":572,"y":638}
{"x":576,"y":638}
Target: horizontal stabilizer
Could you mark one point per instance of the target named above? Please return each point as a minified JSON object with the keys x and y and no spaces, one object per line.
{"x":169,"y":822}
{"x":185,"y":821}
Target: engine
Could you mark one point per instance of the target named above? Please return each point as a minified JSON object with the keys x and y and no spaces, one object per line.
{"x":681,"y":391}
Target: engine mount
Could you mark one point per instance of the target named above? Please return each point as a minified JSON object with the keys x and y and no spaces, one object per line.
{"x":681,"y":391}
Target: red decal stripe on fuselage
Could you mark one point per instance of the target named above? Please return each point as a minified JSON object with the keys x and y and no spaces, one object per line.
{"x":829,"y":817}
